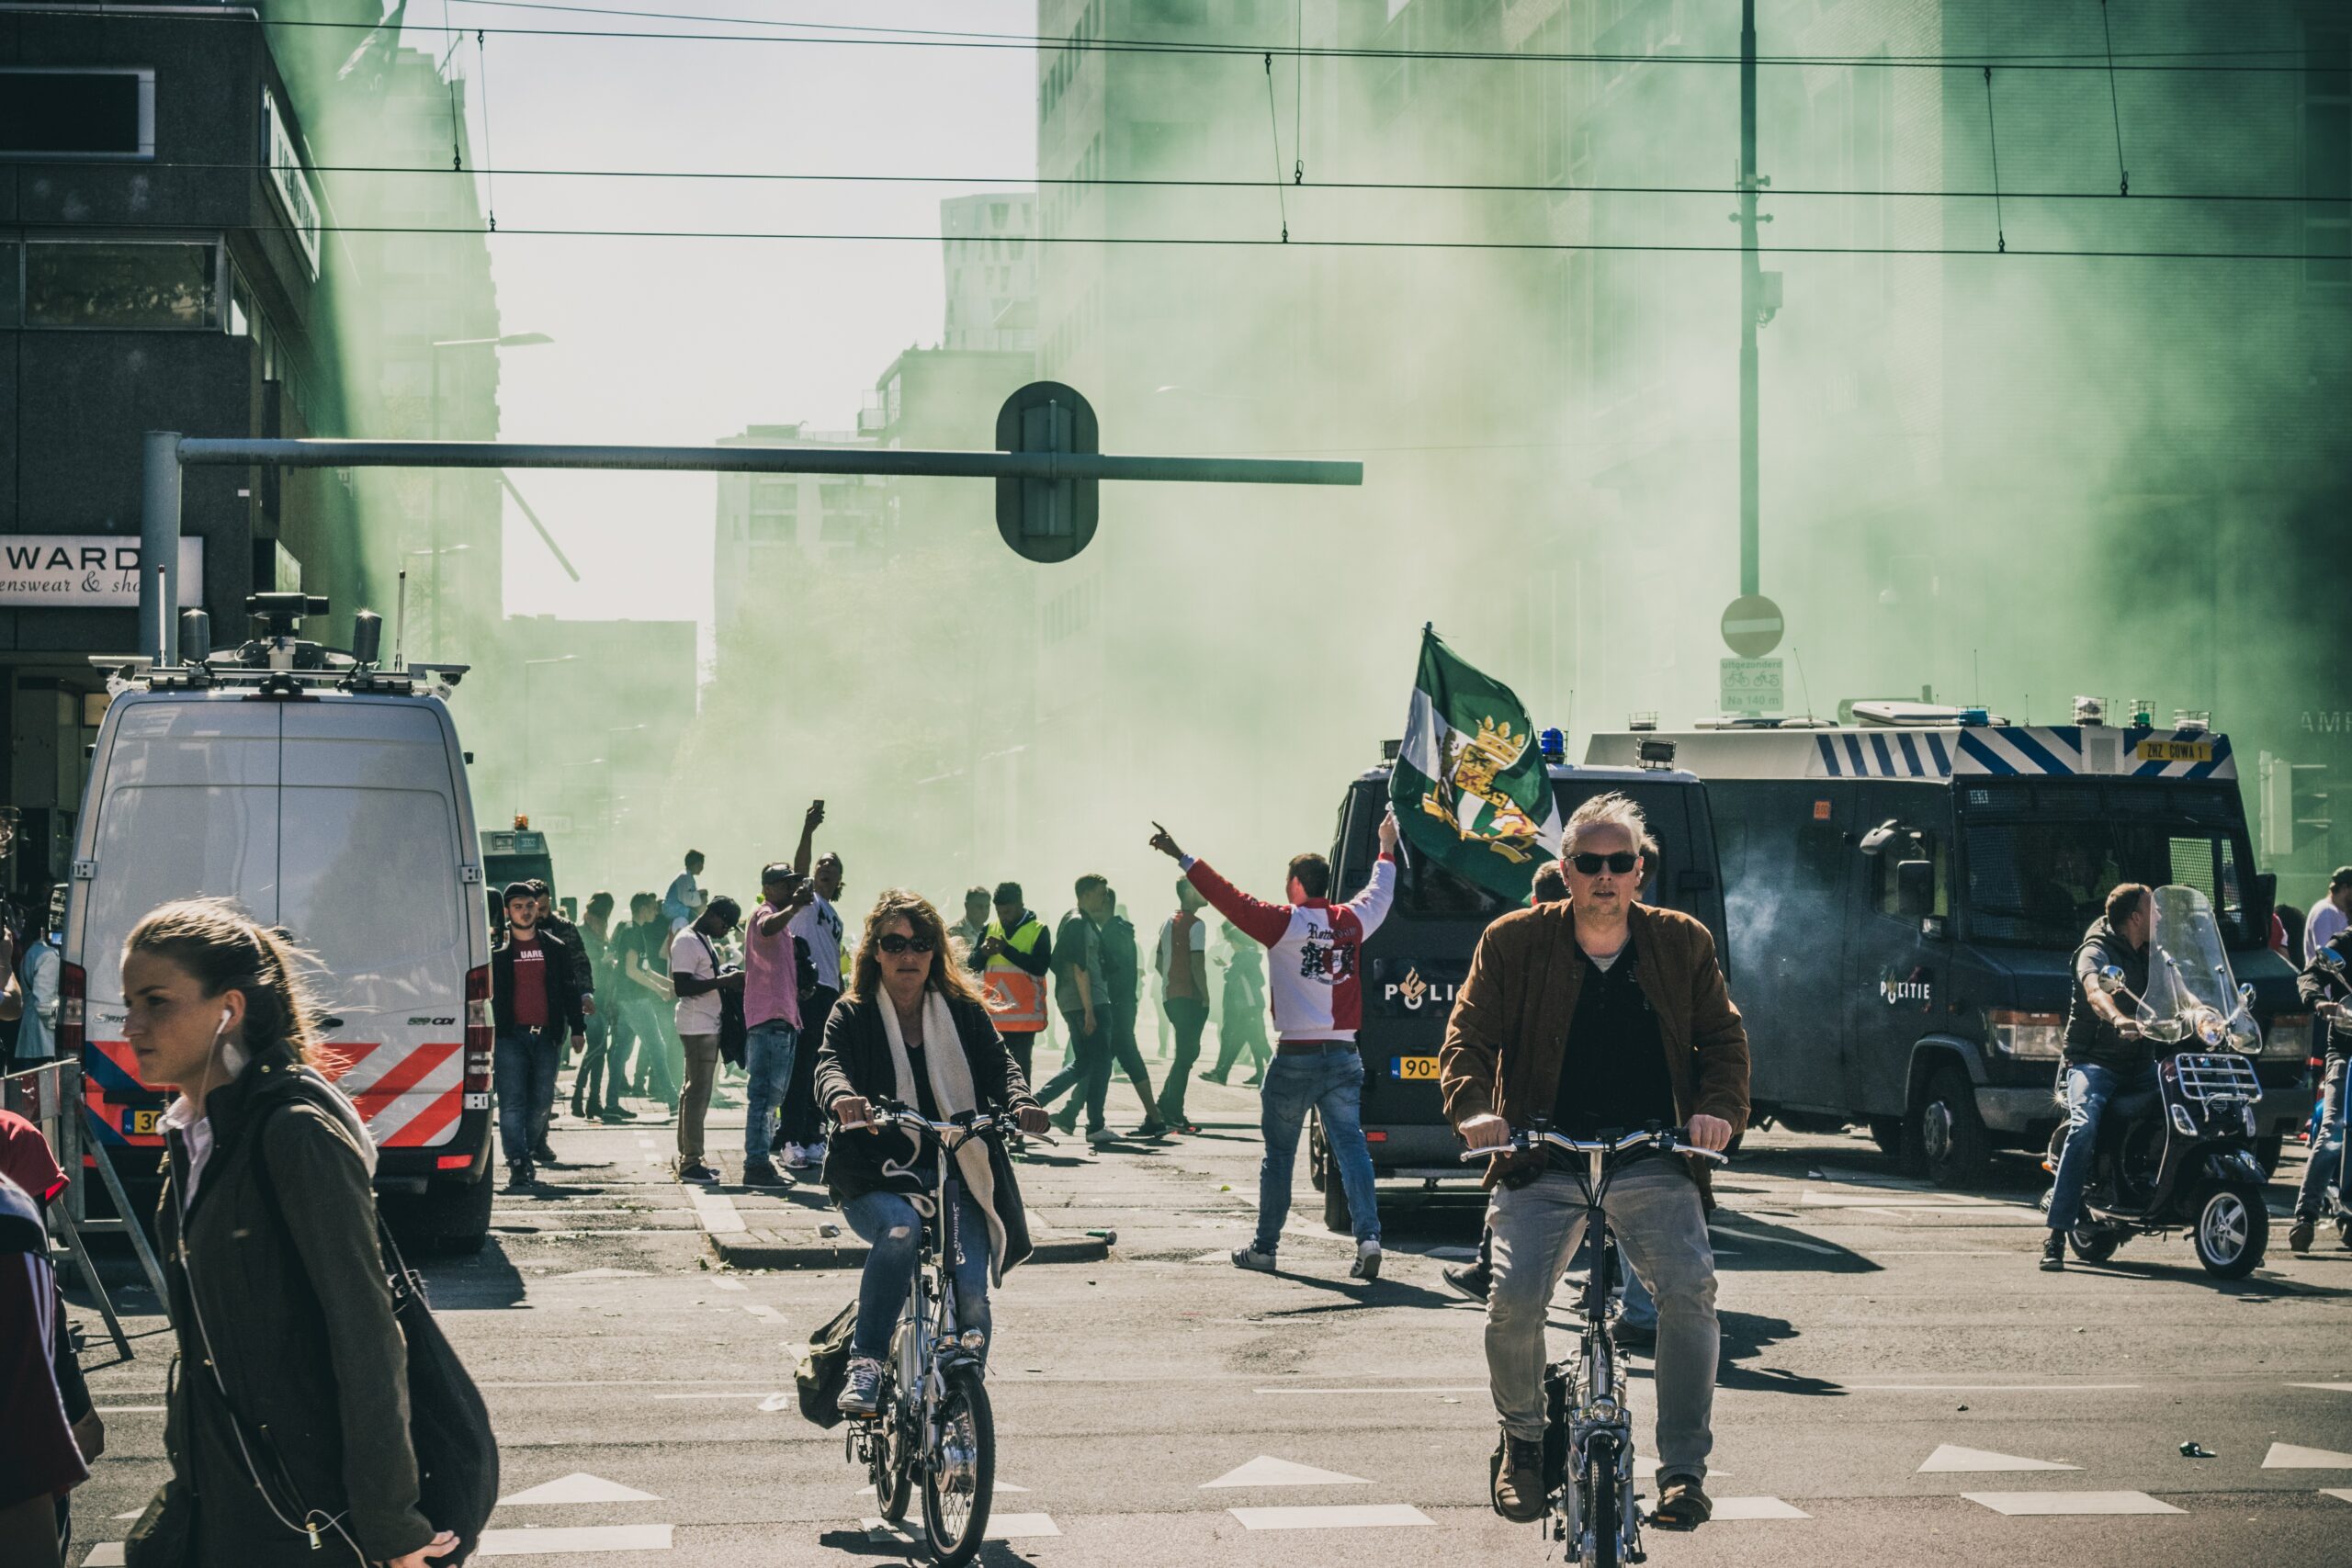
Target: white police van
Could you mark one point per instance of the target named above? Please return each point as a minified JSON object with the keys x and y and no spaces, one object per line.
{"x":1905,"y":895}
{"x":326,"y":795}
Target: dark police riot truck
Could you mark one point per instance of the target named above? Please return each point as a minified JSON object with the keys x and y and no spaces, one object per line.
{"x":1419,"y":956}
{"x":1906,"y":899}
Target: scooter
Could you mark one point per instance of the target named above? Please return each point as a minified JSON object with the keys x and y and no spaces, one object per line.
{"x":2183,"y":1158}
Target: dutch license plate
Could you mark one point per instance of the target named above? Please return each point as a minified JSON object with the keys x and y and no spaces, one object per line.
{"x":1412,"y":1069}
{"x":2176,"y":752}
{"x":141,"y":1124}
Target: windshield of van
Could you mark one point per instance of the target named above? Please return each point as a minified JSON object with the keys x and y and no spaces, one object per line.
{"x":2042,"y":882}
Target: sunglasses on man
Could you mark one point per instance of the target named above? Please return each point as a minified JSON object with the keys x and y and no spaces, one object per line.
{"x":894,"y":943}
{"x":1622,"y":862}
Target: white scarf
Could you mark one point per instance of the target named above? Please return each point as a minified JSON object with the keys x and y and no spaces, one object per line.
{"x":951,"y":1091}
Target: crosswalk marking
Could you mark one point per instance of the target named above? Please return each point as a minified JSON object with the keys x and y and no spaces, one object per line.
{"x":605,"y":1273}
{"x":1001,"y":1527}
{"x":1268,"y":1470}
{"x":1361,"y":1389}
{"x":716,"y":1211}
{"x":1349,"y":1516}
{"x":1756,"y":1508}
{"x":1950,"y":1459}
{"x":106,"y":1554}
{"x":578,"y":1487}
{"x":2289,"y":1456}
{"x":573,"y":1538}
{"x":2330,"y":1387}
{"x":2341,"y":1493}
{"x":2038,"y":1503}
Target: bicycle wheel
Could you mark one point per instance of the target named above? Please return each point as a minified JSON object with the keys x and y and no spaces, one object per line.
{"x":959,"y":1474}
{"x":895,"y":1484}
{"x":1604,"y":1503}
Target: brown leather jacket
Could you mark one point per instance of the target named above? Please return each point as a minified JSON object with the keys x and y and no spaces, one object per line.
{"x":1510,"y":1020}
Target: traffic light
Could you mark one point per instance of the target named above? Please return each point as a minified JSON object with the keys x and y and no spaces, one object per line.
{"x":1046,"y":520}
{"x":2295,"y":812}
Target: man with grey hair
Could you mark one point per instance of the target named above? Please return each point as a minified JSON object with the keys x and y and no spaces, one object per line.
{"x":1598,"y":1013}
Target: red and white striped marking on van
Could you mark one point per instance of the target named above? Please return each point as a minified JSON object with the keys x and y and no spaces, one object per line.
{"x":410,"y":1095}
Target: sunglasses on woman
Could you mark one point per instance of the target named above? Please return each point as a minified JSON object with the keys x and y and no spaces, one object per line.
{"x":1622,"y":862}
{"x":894,"y":943}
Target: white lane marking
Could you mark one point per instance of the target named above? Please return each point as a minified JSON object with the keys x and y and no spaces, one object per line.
{"x":2331,"y":1387}
{"x":578,"y":1487}
{"x":1001,"y":1527}
{"x":2289,"y":1456}
{"x":133,"y":1514}
{"x":2038,"y":1503}
{"x":716,"y":1211}
{"x":731,"y":1394}
{"x":106,"y":1554}
{"x":129,"y":1410}
{"x":1350,"y":1516}
{"x":1952,"y":1460}
{"x":868,"y":1490}
{"x":767,"y":1314}
{"x":1456,"y":1388}
{"x":605,"y":1273}
{"x":574,"y":1538}
{"x":1858,"y":1201}
{"x":1721,"y":1229}
{"x":1268,"y":1470}
{"x":1755,"y":1508}
{"x":730,"y":1284}
{"x":2341,"y":1493}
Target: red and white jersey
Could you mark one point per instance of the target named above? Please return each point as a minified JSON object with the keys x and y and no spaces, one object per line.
{"x":1315,"y":950}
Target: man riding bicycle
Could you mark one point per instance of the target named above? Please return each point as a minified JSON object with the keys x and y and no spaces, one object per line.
{"x":1595,"y":1014}
{"x":914,"y":1030}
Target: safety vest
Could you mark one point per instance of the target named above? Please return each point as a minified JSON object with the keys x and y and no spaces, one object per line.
{"x":1018,"y":997}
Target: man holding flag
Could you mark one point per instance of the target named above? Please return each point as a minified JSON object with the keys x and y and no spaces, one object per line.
{"x":1315,"y":966}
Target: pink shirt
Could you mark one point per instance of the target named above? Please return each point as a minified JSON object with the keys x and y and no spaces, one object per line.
{"x":771,"y":978}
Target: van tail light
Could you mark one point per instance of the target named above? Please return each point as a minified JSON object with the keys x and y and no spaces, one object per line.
{"x":73,"y":1009}
{"x":1375,"y":1135}
{"x":478,"y":1036}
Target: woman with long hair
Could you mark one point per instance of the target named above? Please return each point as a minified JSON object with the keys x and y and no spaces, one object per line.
{"x":914,"y":1029}
{"x":288,"y":1421}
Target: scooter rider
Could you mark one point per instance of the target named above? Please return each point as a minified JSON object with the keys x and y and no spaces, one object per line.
{"x":2323,"y":985}
{"x":2104,"y":1059}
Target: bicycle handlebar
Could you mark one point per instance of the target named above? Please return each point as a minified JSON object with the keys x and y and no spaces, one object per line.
{"x":1670,"y":1140}
{"x":883,"y":1113}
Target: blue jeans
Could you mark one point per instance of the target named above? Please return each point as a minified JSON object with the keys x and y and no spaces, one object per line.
{"x":1330,"y":1081}
{"x":2326,"y":1163}
{"x":767,"y":1063}
{"x":523,"y":1063}
{"x":888,"y":1225}
{"x":2090,"y":1090}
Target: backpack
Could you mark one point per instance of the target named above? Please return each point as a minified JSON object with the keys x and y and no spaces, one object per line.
{"x":734,"y":1035}
{"x":821,"y":1372}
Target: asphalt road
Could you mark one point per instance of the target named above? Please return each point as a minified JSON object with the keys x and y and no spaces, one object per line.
{"x":1899,"y":1384}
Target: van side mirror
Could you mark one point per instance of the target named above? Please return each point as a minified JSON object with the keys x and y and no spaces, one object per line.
{"x":1915,"y":889}
{"x":1875,"y":841}
{"x":2245,"y":996}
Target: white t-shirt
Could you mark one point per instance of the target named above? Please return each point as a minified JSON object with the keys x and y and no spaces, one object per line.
{"x":690,"y":954}
{"x":819,"y":925}
{"x":2320,"y":927}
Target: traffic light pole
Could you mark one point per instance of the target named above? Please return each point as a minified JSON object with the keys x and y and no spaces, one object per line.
{"x":168,"y":453}
{"x":1752,"y":304}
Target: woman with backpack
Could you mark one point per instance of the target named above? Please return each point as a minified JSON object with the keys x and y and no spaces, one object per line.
{"x":287,"y":1427}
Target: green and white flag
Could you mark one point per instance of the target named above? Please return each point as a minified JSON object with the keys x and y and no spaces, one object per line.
{"x":1471,"y":788}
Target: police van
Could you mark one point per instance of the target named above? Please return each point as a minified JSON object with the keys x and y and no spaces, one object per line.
{"x":1418,"y":959}
{"x":1906,"y":893}
{"x":326,"y":795}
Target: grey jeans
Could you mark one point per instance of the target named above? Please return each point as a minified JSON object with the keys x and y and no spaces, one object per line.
{"x":1653,"y":1210}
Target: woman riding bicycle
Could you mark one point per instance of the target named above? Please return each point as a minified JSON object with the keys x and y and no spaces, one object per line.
{"x":914,"y":1030}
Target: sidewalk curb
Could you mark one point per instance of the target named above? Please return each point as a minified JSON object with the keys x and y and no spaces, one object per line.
{"x":773,"y":1249}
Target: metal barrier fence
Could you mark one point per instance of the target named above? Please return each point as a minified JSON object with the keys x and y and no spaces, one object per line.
{"x":49,"y":1097}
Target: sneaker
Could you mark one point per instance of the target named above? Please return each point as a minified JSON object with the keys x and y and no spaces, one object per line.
{"x":2053,"y":1252}
{"x":1518,"y":1479}
{"x":541,"y":1153}
{"x":861,"y":1390}
{"x":615,"y":1113}
{"x":695,"y":1170}
{"x":1682,"y":1503}
{"x":1212,"y":1077}
{"x":1066,"y":1121}
{"x":521,"y":1178}
{"x":2300,"y":1233}
{"x":1154,"y":1128}
{"x":812,"y":1156}
{"x":1250,"y":1257}
{"x":760,"y":1173}
{"x":1101,"y":1138}
{"x":1367,"y":1263}
{"x":1473,"y":1280}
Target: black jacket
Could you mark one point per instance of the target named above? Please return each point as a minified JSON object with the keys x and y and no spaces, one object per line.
{"x":584,"y":968}
{"x":2316,"y":986}
{"x":855,"y":1060}
{"x":2091,"y":1040}
{"x":296,"y":1318}
{"x":563,"y":983}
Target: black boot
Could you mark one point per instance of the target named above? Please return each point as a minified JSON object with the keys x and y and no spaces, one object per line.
{"x":2053,"y":1252}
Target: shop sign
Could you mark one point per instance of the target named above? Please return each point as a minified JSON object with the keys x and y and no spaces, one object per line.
{"x":86,"y":571}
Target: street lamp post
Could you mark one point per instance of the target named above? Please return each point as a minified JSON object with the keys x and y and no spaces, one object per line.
{"x":510,"y":340}
{"x":530,"y":712}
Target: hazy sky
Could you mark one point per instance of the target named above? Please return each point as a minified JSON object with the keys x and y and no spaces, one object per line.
{"x":685,"y":340}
